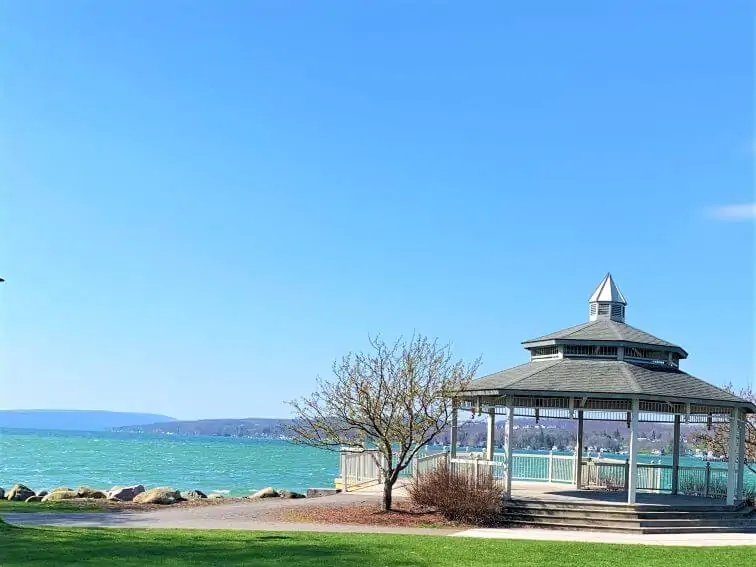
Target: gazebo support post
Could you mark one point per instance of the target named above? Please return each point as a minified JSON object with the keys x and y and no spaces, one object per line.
{"x":741,"y":458}
{"x":490,"y":430}
{"x":676,"y":456}
{"x":453,"y":430}
{"x":632,"y":481}
{"x":509,"y":428}
{"x":579,"y":453}
{"x":732,"y":457}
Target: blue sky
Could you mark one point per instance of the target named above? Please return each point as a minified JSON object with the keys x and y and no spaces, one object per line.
{"x":205,"y":203}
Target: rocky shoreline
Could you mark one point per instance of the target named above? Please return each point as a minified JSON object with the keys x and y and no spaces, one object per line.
{"x":138,"y":494}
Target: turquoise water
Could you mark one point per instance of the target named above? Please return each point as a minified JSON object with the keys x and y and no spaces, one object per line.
{"x":233,"y":466}
{"x":46,"y":459}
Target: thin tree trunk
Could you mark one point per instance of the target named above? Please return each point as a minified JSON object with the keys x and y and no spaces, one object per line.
{"x":388,"y":486}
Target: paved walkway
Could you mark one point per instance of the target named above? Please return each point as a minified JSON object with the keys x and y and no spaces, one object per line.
{"x":253,"y":515}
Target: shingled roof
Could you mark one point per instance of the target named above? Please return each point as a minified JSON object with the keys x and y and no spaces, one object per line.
{"x":598,"y":377}
{"x":605,"y":330}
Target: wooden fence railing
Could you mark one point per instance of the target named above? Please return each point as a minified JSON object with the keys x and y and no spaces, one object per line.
{"x":362,"y":468}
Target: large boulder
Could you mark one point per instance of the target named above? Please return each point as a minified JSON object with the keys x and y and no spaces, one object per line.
{"x":58,"y":495}
{"x":125,"y":493}
{"x":87,"y":492}
{"x":290,"y":494}
{"x":161,"y":495}
{"x":268,"y":492}
{"x":216,"y":496}
{"x":42,"y":493}
{"x":36,"y":498}
{"x":193,"y":495}
{"x":19,"y":493}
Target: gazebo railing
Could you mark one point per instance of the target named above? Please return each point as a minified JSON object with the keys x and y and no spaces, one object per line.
{"x":360,"y":469}
{"x":702,"y":481}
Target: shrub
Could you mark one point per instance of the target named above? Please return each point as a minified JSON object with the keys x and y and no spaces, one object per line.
{"x":458,"y":497}
{"x":750,"y":495}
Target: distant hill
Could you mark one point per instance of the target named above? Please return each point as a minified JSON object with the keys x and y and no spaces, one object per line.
{"x":77,"y":420}
{"x":249,"y":427}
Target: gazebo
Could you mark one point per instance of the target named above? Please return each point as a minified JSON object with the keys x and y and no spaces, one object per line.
{"x":606,"y":370}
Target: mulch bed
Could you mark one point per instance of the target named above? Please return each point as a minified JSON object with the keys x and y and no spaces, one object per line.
{"x":404,"y":514}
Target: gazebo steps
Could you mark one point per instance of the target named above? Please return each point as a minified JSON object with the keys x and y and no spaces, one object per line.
{"x":620,"y":507}
{"x":629,"y":515}
{"x":615,"y":512}
{"x":596,"y":517}
{"x":633,"y":521}
{"x":637,"y":530}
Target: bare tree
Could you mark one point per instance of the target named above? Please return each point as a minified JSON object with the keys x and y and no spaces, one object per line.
{"x":717,"y":439}
{"x":394,"y":398}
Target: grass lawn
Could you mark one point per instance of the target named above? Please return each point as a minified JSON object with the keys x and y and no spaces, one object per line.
{"x":125,"y":548}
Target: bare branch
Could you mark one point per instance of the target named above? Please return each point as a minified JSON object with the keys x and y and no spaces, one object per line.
{"x":717,"y":440}
{"x":395,"y":398}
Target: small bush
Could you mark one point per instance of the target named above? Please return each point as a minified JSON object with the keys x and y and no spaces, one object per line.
{"x":458,"y":497}
{"x":750,"y":495}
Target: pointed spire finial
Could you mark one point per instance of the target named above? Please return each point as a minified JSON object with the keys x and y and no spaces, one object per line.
{"x":607,"y":302}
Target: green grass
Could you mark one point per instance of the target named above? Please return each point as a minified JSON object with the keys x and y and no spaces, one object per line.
{"x":32,"y":547}
{"x":7,"y":506}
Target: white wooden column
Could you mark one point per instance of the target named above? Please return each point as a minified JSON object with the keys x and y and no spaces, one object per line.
{"x":741,"y":457}
{"x":453,"y":432}
{"x":579,"y":452}
{"x":509,"y":429}
{"x":490,"y":431}
{"x":632,"y":481}
{"x":676,"y":456}
{"x":732,"y":457}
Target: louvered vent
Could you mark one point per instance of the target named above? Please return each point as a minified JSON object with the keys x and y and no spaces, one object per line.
{"x":618,"y":312}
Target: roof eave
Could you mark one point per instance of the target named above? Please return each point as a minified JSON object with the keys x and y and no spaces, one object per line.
{"x":612,"y":342}
{"x":499,"y":392}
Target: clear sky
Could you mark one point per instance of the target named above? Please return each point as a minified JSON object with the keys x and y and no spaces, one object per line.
{"x":204,"y":203}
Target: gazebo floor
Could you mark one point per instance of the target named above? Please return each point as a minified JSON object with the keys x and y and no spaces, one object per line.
{"x":567,"y":494}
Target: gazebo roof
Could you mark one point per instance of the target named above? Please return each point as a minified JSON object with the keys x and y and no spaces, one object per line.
{"x":602,"y":378}
{"x":605,"y":358}
{"x":604,"y":330}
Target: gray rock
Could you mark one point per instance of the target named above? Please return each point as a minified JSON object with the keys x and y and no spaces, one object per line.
{"x":193,"y":495}
{"x":268,"y":492}
{"x":36,"y":498}
{"x":58,"y":495}
{"x":87,"y":492}
{"x":125,"y":493}
{"x":216,"y":496}
{"x":290,"y":494}
{"x":42,"y":493}
{"x":161,"y":495}
{"x":19,"y":493}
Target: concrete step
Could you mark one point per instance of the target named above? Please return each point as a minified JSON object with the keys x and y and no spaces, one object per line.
{"x":577,"y":526}
{"x":615,"y":522}
{"x":550,"y":504}
{"x":608,"y":513}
